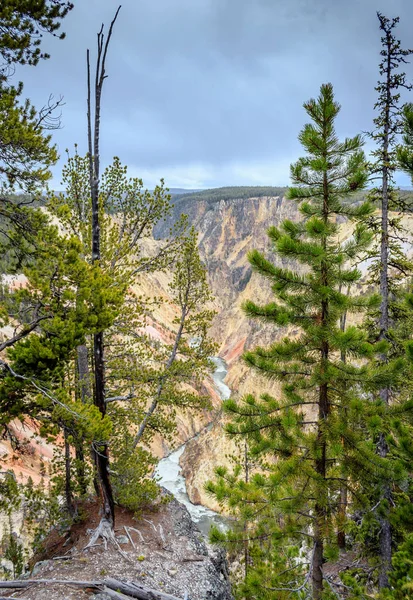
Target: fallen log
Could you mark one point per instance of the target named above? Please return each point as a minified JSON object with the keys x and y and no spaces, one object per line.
{"x":136,"y":590}
{"x":115,"y":595}
{"x":124,"y":589}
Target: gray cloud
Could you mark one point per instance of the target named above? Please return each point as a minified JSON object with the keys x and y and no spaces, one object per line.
{"x":210,"y":92}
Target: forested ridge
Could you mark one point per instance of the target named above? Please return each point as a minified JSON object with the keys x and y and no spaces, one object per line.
{"x":318,"y":497}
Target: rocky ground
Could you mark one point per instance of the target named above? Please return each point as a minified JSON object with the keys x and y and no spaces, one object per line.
{"x":162,"y":550}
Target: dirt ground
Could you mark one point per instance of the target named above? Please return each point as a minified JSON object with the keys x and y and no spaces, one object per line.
{"x":162,"y":550}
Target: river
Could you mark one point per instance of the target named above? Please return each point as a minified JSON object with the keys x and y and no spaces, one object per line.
{"x":169,"y":474}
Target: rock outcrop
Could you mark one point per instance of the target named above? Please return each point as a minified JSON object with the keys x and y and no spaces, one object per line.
{"x":163,"y":551}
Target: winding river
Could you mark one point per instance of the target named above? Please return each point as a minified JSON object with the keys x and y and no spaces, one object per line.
{"x":169,"y":474}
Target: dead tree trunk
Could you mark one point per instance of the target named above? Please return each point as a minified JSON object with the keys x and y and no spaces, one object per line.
{"x":100,"y":448}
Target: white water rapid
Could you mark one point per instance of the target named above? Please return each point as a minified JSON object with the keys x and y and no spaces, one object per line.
{"x":169,"y":474}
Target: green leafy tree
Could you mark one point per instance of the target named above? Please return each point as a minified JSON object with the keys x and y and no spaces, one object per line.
{"x":317,"y":427}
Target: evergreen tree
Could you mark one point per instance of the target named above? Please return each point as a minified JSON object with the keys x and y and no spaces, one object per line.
{"x":174,"y":367}
{"x":164,"y":377}
{"x":26,"y":153}
{"x":127,"y":215}
{"x":316,"y":430}
{"x":52,"y":314}
{"x":23,"y":23}
{"x":391,"y":267}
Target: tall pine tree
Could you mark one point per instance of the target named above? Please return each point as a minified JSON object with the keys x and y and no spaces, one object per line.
{"x":315,"y":431}
{"x":391,"y":266}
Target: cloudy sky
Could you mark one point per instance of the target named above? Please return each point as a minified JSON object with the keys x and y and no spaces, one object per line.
{"x":207,"y":93}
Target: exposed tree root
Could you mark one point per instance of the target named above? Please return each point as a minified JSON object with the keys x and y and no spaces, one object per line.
{"x":105,"y":532}
{"x":139,"y":533}
{"x":129,"y":536}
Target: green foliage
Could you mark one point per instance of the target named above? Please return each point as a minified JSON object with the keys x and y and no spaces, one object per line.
{"x":133,"y":485}
{"x":21,"y":227}
{"x":69,"y":298}
{"x":22,"y":25}
{"x":302,"y":441}
{"x":26,"y":153}
{"x":13,"y":551}
{"x":401,"y":577}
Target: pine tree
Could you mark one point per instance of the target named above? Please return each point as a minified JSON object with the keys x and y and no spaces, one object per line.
{"x":392,"y":266}
{"x":52,"y":315}
{"x":26,"y":152}
{"x":127,"y":216}
{"x":316,"y":430}
{"x":164,"y":377}
{"x":23,"y":23}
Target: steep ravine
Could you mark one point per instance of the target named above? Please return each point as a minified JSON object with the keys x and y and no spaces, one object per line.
{"x":169,"y":471}
{"x":228,"y":230}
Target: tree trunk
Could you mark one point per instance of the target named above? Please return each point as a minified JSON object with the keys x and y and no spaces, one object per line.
{"x":385,"y":530}
{"x":342,"y":512}
{"x":68,"y":476}
{"x":83,"y":373}
{"x":320,"y":511}
{"x":341,"y":534}
{"x":99,"y":448}
{"x":385,"y":526}
{"x":85,"y":393}
{"x":246,"y":545}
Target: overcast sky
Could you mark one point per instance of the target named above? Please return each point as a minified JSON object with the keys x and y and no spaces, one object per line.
{"x":207,"y":93}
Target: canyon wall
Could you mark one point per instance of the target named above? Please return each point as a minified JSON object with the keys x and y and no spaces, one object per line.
{"x":228,"y":230}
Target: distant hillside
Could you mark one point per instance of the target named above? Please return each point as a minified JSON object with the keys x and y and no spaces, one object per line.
{"x":231,"y":193}
{"x":182,"y":191}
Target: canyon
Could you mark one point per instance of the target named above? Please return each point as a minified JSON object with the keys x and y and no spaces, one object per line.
{"x":228,"y":229}
{"x":229,"y":223}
